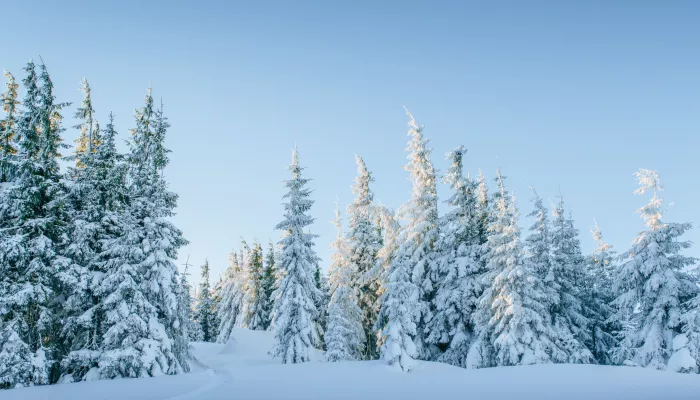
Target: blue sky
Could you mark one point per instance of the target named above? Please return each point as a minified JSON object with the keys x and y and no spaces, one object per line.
{"x":571,"y":97}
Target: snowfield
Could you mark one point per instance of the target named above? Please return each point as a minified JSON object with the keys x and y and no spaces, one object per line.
{"x":242,"y":369}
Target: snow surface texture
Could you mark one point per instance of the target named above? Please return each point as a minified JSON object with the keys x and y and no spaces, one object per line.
{"x":242,"y":369}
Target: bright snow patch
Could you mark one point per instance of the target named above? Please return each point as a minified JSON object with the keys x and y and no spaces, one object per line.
{"x":242,"y":369}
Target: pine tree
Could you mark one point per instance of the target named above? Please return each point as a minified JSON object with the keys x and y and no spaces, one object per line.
{"x":459,"y":267}
{"x":204,"y":312}
{"x":88,"y":127}
{"x":254,"y":302}
{"x":216,"y":301}
{"x":244,"y":257}
{"x":231,"y":298}
{"x":146,"y":325}
{"x":345,"y":337}
{"x":188,"y":303}
{"x":389,"y":230}
{"x":8,"y":129}
{"x":296,"y":299}
{"x":363,"y":245}
{"x":421,"y":232}
{"x":268,"y":286}
{"x":33,"y":238}
{"x":322,"y":303}
{"x":651,"y":282}
{"x":599,"y":294}
{"x":399,"y":313}
{"x":96,"y":197}
{"x":514,"y":326}
{"x":568,"y":268}
{"x":483,"y":209}
{"x":538,"y":245}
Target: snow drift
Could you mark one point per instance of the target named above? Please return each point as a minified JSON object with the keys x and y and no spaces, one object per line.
{"x":242,"y":369}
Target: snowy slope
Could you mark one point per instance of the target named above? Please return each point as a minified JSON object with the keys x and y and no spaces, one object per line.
{"x":243,"y":370}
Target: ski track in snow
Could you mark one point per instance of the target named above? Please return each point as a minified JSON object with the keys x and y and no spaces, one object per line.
{"x":218,"y":378}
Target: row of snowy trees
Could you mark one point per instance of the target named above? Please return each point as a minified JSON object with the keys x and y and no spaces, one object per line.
{"x":88,"y":284}
{"x":464,"y":288}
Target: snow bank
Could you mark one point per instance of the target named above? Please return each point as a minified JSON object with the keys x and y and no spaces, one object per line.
{"x":243,"y":370}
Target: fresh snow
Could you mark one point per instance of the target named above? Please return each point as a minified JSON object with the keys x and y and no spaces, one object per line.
{"x":242,"y":369}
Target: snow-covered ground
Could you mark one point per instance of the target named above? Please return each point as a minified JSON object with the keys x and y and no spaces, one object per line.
{"x":243,"y":370}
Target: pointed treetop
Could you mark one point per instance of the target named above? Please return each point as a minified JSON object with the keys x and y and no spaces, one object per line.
{"x":595,"y":231}
{"x":458,"y":151}
{"x":361,"y":166}
{"x":652,"y":212}
{"x":598,"y":237}
{"x":413,"y":120}
{"x":361,"y":185}
{"x":501,"y":184}
{"x":294,"y":166}
{"x":338,"y":220}
{"x":9,"y":98}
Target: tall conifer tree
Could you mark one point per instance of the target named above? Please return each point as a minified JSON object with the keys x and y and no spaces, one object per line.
{"x":459,"y":268}
{"x":34,"y":223}
{"x":599,"y":294}
{"x":146,"y":325}
{"x":652,"y":284}
{"x":514,"y":326}
{"x":568,"y":268}
{"x":204,"y":312}
{"x":296,"y":304}
{"x":345,"y":337}
{"x":268,"y":285}
{"x":412,"y":276}
{"x":363,"y":245}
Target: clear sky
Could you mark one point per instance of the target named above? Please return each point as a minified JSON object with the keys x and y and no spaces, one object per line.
{"x":571,"y":97}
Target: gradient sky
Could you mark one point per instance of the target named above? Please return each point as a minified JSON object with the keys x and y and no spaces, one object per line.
{"x":571,"y":97}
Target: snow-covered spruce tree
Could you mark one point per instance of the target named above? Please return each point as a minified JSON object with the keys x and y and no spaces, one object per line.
{"x":204,"y":311}
{"x":8,"y":129}
{"x":345,"y":336}
{"x":254,"y":312}
{"x":96,"y":199}
{"x":229,"y":310}
{"x":400,"y":310}
{"x":598,"y":294}
{"x":513,"y":319}
{"x":363,"y":245}
{"x":145,"y":329}
{"x":483,"y":209}
{"x":268,"y":285}
{"x":568,"y":268}
{"x":421,"y":233}
{"x":244,"y":257}
{"x":86,"y":233}
{"x":88,"y":137}
{"x":321,"y":280}
{"x":538,"y":245}
{"x":34,"y":222}
{"x":389,"y":232}
{"x":412,"y":276}
{"x":295,"y":312}
{"x":188,"y":303}
{"x":459,"y":268}
{"x":215,"y":301}
{"x":651,"y":282}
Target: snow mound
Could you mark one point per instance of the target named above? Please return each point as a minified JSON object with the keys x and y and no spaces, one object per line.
{"x":243,"y":369}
